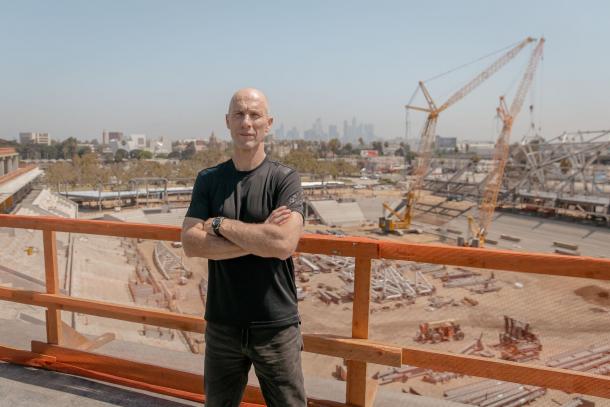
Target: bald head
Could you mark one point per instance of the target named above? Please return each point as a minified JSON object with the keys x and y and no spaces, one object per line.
{"x":248,"y":119}
{"x":249,"y":95}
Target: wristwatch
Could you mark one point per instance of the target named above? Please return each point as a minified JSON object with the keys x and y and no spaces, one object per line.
{"x":216,"y":225}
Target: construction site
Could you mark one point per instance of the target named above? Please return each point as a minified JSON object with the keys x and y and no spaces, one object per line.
{"x":531,"y":195}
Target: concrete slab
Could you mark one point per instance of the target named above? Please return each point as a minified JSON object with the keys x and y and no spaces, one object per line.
{"x":332,"y":212}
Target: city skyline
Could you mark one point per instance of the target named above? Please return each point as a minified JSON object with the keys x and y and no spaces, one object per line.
{"x":73,"y":69}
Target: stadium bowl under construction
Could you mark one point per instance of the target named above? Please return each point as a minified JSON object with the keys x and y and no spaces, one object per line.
{"x":539,"y":195}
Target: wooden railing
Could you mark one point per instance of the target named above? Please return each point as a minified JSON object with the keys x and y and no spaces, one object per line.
{"x":358,"y":350}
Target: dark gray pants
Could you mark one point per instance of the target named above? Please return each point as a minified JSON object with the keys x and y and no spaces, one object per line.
{"x":275,"y":354}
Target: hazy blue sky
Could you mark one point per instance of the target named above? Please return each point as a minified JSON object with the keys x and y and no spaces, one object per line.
{"x":73,"y":68}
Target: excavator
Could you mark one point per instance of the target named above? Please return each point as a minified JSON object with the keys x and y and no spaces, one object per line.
{"x":478,"y":228}
{"x":399,"y":218}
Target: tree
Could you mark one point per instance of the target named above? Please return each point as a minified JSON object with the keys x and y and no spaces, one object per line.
{"x":121,"y":155}
{"x":68,"y":148}
{"x":334,"y":145}
{"x":189,"y":152}
{"x":347,"y":149}
{"x":302,"y":160}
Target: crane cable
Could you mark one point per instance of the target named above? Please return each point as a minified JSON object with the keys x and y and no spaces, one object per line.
{"x":471,"y":62}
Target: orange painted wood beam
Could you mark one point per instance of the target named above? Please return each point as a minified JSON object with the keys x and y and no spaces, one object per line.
{"x":106,"y":309}
{"x":539,"y":263}
{"x":569,"y":381}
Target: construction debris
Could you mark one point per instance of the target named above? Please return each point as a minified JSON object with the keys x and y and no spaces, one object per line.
{"x":510,"y":238}
{"x":592,"y":359}
{"x":401,"y":374}
{"x":477,"y":348}
{"x":470,"y":301}
{"x":578,"y":402}
{"x":439,"y":331}
{"x":494,"y":393}
{"x":517,"y":342}
{"x":568,"y":246}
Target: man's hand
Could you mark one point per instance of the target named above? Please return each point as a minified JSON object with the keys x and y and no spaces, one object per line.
{"x":207,"y":227}
{"x":279,"y":216}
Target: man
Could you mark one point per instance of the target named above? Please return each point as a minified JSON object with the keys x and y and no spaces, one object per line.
{"x":246,"y":217}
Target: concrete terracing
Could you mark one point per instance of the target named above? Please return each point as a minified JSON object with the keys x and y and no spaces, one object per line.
{"x":9,"y":160}
{"x":331,"y":212}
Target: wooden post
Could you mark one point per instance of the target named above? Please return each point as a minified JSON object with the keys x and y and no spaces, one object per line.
{"x":53,"y":314}
{"x":356,"y":389}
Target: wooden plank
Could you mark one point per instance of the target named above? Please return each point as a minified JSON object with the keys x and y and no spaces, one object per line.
{"x":338,"y":246}
{"x":560,"y":379}
{"x":136,"y":371}
{"x":94,"y":227}
{"x":24,"y":357}
{"x":123,"y":381}
{"x":356,"y":388}
{"x":362,"y":298}
{"x":353,"y":349}
{"x":356,"y":384}
{"x":53,"y":314}
{"x":539,"y":263}
{"x":105,"y":309}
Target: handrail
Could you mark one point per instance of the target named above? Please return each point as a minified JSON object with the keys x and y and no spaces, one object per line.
{"x":358,"y":350}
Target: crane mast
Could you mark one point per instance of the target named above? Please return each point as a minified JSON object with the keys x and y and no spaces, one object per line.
{"x":407,"y":205}
{"x":500,"y":157}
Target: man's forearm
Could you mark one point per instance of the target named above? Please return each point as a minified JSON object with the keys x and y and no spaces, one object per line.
{"x":201,"y":244}
{"x":261,"y":239}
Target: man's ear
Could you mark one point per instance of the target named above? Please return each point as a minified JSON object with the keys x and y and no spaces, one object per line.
{"x":227,"y":121}
{"x":269,"y":123}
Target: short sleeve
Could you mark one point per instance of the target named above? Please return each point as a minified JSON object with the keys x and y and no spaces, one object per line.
{"x":199,"y":207}
{"x":290,"y":193}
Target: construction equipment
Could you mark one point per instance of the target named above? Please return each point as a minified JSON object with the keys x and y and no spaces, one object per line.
{"x":439,"y":331}
{"x":403,"y":212}
{"x":478,"y":230}
{"x":518,"y":343}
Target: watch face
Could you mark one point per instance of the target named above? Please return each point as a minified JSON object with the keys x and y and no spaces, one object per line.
{"x":215,"y":222}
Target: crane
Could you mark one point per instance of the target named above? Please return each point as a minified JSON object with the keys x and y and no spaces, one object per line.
{"x":478,"y":229}
{"x":403,"y":212}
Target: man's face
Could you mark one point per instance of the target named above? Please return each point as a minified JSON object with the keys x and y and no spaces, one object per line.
{"x":248,"y":121}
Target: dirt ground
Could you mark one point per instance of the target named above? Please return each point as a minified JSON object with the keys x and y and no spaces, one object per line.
{"x":566,"y":313}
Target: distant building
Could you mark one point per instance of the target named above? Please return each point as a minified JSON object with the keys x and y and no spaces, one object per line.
{"x":9,"y":160}
{"x":445,"y":143}
{"x":293,"y":134}
{"x":108,"y":136}
{"x":369,"y":153}
{"x":34,"y":138}
{"x":333,"y":132}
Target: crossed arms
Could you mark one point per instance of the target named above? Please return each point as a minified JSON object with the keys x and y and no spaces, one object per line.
{"x":277,"y":237}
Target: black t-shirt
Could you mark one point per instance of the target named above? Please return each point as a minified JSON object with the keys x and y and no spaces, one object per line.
{"x":249,"y":291}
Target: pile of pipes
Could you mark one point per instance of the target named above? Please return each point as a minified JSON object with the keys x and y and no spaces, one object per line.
{"x":399,"y":374}
{"x":494,"y":393}
{"x":321,"y":263}
{"x":476,"y":348}
{"x":438,"y":302}
{"x":463,"y":277}
{"x":592,"y":359}
{"x":327,"y":295}
{"x":388,"y":283}
{"x":517,"y":342}
{"x":387,"y":278}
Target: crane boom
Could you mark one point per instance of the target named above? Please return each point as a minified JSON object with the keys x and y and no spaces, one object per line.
{"x":429,"y":130}
{"x":500,"y":157}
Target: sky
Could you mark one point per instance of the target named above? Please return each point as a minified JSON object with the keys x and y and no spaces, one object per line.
{"x":169,"y":68}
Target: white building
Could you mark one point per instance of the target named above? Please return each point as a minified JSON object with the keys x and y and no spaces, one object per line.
{"x":35,"y":138}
